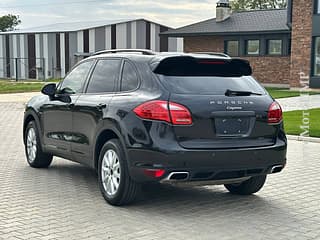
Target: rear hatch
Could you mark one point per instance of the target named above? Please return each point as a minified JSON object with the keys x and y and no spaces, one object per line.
{"x":229,"y":109}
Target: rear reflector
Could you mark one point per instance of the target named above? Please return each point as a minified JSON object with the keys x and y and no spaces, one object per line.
{"x":155,"y":173}
{"x":170,"y":112}
{"x":274,"y":113}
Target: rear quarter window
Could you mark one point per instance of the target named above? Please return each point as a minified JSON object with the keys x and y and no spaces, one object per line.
{"x":129,"y":80}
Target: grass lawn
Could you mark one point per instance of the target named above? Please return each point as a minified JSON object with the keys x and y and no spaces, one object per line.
{"x":293,"y":121}
{"x":284,"y":92}
{"x":18,"y":87}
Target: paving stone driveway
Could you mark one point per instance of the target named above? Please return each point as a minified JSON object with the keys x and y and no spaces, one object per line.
{"x":300,"y":103}
{"x":64,"y":202}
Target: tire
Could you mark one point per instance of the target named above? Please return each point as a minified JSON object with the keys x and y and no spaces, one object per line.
{"x":115,"y":183}
{"x":36,"y":158}
{"x":248,"y":187}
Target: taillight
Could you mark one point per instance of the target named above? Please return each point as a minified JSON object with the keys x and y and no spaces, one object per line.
{"x":154,"y":110}
{"x":180,"y":115}
{"x":173,"y":113}
{"x":274,"y":113}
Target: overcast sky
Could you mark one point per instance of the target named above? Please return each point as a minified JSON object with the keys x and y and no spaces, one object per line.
{"x":173,"y":13}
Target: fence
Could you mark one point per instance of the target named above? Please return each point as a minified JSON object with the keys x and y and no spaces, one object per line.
{"x":35,"y":68}
{"x":22,"y":68}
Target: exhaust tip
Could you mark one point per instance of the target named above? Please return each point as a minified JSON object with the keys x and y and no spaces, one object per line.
{"x":178,"y":176}
{"x":276,"y":169}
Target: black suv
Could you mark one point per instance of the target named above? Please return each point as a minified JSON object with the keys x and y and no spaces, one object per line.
{"x":137,"y":116}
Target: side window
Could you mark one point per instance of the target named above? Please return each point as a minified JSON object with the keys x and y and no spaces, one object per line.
{"x":129,"y":79}
{"x":104,"y":76}
{"x":74,"y":81}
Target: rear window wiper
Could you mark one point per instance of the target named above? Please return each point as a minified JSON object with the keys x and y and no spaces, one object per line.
{"x":240,"y":93}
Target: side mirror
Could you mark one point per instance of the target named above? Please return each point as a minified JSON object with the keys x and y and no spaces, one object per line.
{"x":49,"y":89}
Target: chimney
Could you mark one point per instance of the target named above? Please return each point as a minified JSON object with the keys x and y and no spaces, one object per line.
{"x":223,"y":10}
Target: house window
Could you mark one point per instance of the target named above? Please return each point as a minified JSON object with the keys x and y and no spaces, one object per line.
{"x":318,"y":6}
{"x":274,"y":47}
{"x":317,"y":57}
{"x":232,"y":48}
{"x":253,"y":47}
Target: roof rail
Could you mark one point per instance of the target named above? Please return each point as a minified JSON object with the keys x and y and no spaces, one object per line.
{"x":142,"y":51}
{"x":214,"y":53}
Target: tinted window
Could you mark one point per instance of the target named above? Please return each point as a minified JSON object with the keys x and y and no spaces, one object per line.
{"x":189,"y":66}
{"x":74,"y":81}
{"x":104,"y":76}
{"x":210,"y":85}
{"x":129,"y":78}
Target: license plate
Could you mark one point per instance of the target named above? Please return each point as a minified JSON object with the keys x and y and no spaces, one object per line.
{"x":232,"y":126}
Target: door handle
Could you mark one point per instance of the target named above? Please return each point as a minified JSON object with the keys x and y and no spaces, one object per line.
{"x":101,"y":106}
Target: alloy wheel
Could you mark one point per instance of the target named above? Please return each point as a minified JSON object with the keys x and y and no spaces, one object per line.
{"x":31,"y":144}
{"x":110,"y":172}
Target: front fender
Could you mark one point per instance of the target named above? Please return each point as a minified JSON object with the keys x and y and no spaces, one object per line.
{"x":31,"y":115}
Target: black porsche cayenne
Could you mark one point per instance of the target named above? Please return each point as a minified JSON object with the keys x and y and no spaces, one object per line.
{"x":137,"y":116}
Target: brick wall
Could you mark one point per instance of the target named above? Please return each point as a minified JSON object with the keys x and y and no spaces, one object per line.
{"x":203,"y":44}
{"x":265,"y":69}
{"x":271,"y":69}
{"x":301,"y":39}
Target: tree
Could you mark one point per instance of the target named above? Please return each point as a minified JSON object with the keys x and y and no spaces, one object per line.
{"x":257,"y":4}
{"x":9,"y":22}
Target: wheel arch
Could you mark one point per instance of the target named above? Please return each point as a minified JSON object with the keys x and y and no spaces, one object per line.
{"x":105,"y":135}
{"x":29,"y":116}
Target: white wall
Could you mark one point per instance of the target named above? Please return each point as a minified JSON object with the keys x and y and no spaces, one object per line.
{"x":62,"y":55}
{"x":108,"y":37}
{"x":23,"y":55}
{"x":14,"y":54}
{"x":121,"y":35}
{"x":134,"y":35}
{"x":180,"y":45}
{"x":46,"y":55}
{"x":2,"y":55}
{"x":153,"y":37}
{"x":38,"y":52}
{"x":92,"y":40}
{"x":80,"y":41}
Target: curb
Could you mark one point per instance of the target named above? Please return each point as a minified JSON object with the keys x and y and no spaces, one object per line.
{"x":304,"y":139}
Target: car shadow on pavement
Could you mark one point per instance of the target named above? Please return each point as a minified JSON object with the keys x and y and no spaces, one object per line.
{"x":164,"y":199}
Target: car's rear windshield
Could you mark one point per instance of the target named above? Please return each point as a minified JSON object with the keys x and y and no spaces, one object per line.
{"x":202,"y":85}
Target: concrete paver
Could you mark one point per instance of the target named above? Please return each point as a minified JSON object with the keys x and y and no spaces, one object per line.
{"x":300,"y":103}
{"x":64,"y":202}
{"x":17,"y":97}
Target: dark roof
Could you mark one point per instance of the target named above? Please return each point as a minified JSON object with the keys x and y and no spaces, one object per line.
{"x":245,"y":22}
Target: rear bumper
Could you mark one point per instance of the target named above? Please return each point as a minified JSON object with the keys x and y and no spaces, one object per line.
{"x":206,"y":165}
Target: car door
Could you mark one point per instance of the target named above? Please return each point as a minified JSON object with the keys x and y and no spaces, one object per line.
{"x":57,"y":112}
{"x":92,"y":107}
